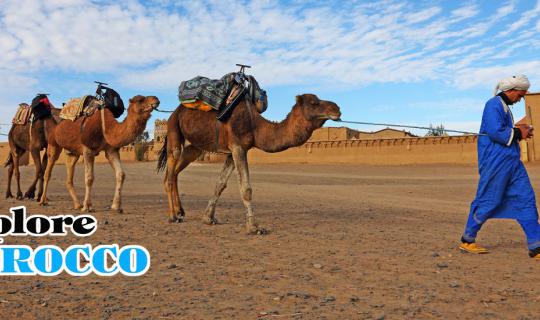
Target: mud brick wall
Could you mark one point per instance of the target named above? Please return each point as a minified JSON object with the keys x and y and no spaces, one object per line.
{"x":459,"y":150}
{"x":399,"y":151}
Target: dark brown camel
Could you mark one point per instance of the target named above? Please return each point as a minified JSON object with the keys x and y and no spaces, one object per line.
{"x":89,"y":136}
{"x":189,"y":132}
{"x":30,"y":138}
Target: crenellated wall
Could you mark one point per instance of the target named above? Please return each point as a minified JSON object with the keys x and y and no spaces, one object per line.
{"x":460,"y":149}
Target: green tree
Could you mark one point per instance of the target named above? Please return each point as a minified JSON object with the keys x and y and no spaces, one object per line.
{"x":141,"y":146}
{"x":437,"y":131}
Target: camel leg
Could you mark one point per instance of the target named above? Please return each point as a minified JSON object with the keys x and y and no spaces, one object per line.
{"x":89,"y":179}
{"x":189,"y":154}
{"x":53,"y":153}
{"x":71,"y":161}
{"x":17,"y":172}
{"x":113,"y":156}
{"x":169,"y":182}
{"x":43,"y":166}
{"x":10,"y":175}
{"x":31,"y":192}
{"x":240,"y":161}
{"x":209,"y":213}
{"x":176,"y":162}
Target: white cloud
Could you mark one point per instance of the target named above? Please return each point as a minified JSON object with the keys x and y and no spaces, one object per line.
{"x":480,"y":76}
{"x":466,"y":12}
{"x":422,"y":15}
{"x":504,"y":11}
{"x":523,"y":22}
{"x":457,"y":105}
{"x":158,"y":47}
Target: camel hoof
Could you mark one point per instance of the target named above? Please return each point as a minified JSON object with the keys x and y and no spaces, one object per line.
{"x":29,"y":195}
{"x":256,"y":230}
{"x":77,"y":207}
{"x":88,"y":210}
{"x":9,"y":195}
{"x":19,"y":196}
{"x":173,"y":219}
{"x":262,"y":231}
{"x":210,"y":220}
{"x":119,"y":210}
{"x":43,"y":204}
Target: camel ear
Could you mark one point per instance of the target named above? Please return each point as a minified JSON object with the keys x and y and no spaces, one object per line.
{"x":298,"y":99}
{"x":136,"y":99}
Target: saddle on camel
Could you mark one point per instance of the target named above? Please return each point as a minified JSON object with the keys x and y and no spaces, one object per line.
{"x":87,"y":105}
{"x":89,"y":126}
{"x":222,"y":95}
{"x":40,"y":108}
{"x":30,"y":127}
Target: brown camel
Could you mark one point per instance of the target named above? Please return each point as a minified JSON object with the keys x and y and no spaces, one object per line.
{"x":189,"y":132}
{"x":32,"y":138}
{"x":88,"y":136}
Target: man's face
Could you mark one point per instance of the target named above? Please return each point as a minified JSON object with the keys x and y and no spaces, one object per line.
{"x":515,"y":95}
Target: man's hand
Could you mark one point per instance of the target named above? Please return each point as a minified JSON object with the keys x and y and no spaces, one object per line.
{"x":526,"y":130}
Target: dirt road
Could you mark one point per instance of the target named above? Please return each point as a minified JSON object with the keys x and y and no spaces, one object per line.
{"x":346,"y":242}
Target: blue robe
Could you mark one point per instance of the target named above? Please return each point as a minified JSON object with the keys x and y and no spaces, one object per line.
{"x":504,"y":189}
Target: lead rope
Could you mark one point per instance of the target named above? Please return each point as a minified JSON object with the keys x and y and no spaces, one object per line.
{"x":411,"y":127}
{"x":164,"y":111}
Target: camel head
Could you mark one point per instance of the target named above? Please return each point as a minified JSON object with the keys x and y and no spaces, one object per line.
{"x":143,"y":106}
{"x":316,"y":110}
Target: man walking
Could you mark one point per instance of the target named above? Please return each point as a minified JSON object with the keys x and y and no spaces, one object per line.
{"x":504,"y":188}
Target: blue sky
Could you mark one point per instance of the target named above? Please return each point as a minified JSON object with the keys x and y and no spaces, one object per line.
{"x":408,"y":62}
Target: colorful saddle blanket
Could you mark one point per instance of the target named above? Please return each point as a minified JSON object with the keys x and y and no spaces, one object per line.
{"x":77,"y":107}
{"x":211,"y":93}
{"x":23,"y":114}
{"x":205,"y":94}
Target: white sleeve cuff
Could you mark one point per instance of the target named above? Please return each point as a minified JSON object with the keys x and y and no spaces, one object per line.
{"x":511,"y":137}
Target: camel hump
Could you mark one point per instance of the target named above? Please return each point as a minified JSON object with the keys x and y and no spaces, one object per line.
{"x":22,"y":115}
{"x":77,"y":107}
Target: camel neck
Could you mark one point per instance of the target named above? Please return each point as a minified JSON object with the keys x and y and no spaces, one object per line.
{"x":270,"y":136}
{"x":119,"y":134}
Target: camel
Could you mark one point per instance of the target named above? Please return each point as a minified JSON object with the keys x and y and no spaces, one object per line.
{"x":190,"y":132}
{"x":30,"y":138}
{"x":87,"y":137}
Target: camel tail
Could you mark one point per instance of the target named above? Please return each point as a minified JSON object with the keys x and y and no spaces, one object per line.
{"x":162,"y":160}
{"x":9,"y":161}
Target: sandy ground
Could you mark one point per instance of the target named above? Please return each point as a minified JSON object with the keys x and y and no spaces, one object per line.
{"x":346,"y":242}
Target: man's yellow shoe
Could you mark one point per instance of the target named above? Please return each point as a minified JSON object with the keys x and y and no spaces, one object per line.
{"x":472,"y":248}
{"x":535,"y":253}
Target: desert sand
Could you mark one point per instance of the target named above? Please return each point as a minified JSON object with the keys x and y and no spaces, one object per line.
{"x":345,"y":242}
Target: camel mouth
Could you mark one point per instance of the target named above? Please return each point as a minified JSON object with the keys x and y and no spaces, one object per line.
{"x":151,"y":107}
{"x":334,"y":117}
